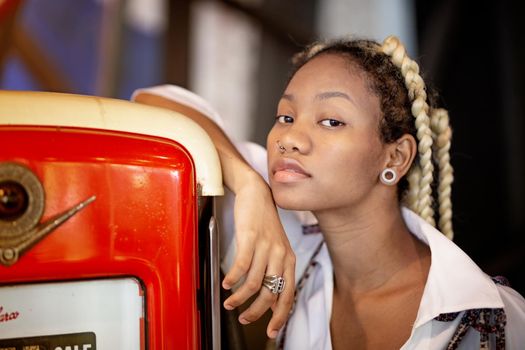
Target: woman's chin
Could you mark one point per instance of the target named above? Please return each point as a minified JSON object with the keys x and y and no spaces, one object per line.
{"x":285,"y":202}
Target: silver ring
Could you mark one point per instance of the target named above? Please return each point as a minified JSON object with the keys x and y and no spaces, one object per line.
{"x":274,"y":283}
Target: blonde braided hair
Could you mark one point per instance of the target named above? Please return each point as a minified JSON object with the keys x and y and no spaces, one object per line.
{"x":395,"y":78}
{"x":442,"y":134}
{"x":417,"y":93}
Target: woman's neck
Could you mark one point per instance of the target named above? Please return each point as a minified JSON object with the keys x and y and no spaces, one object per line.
{"x":370,"y":246}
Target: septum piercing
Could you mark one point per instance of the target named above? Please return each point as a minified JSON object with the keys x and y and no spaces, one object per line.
{"x":282,"y":149}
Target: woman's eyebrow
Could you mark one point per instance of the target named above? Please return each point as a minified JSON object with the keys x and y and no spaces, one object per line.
{"x":322,"y":96}
{"x":288,"y":97}
{"x":331,"y":94}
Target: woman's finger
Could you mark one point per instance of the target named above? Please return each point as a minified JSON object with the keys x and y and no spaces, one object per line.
{"x":252,"y":283}
{"x":260,"y":305}
{"x":281,"y":310}
{"x":241,"y":264}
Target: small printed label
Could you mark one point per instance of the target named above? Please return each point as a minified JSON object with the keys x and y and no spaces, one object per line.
{"x":76,"y":341}
{"x":6,"y":316}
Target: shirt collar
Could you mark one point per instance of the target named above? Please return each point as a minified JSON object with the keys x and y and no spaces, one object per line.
{"x":455,"y":283}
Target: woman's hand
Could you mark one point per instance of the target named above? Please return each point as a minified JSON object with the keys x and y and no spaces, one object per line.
{"x":262,"y":249}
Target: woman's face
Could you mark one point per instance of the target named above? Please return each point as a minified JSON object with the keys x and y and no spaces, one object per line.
{"x":327,"y":121}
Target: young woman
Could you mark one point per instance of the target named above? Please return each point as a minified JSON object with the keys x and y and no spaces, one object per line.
{"x":357,"y":143}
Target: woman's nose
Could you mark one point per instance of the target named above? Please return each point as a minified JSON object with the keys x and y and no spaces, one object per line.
{"x":295,"y":139}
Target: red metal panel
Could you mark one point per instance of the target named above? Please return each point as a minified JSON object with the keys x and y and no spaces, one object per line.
{"x":143,"y":222}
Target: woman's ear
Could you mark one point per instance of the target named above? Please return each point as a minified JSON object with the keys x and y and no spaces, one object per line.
{"x":401,"y":154}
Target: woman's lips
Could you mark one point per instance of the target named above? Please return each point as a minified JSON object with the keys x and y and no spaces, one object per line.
{"x":287,"y":170}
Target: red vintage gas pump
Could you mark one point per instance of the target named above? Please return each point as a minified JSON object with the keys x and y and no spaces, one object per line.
{"x":107,"y":236}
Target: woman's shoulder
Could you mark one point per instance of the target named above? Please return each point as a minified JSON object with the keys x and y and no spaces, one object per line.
{"x":513,"y":302}
{"x":511,"y":298}
{"x":514,"y":307}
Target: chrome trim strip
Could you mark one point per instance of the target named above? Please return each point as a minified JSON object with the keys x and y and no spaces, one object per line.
{"x":215,"y":284}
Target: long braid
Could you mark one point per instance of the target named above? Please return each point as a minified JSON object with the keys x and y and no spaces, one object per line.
{"x":420,"y":109}
{"x":411,"y":198}
{"x":442,"y":134}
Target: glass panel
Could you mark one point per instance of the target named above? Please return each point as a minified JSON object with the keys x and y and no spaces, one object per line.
{"x":104,"y":314}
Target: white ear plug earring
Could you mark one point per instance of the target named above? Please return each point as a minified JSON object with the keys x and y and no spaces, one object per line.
{"x":388,"y":176}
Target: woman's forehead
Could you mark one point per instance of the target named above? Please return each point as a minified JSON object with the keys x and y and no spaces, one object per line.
{"x":327,"y":70}
{"x":328,"y":75}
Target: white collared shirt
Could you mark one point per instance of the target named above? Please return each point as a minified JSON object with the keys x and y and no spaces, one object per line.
{"x":455,"y":283}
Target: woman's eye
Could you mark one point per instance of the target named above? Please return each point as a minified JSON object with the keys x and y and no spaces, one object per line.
{"x":331,"y":123}
{"x":284,"y":119}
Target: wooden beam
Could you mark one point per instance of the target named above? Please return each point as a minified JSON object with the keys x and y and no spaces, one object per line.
{"x":8,"y":14}
{"x":38,"y":63}
{"x":109,"y":50}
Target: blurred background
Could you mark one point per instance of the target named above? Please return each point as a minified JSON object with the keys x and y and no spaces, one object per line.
{"x":235,"y":53}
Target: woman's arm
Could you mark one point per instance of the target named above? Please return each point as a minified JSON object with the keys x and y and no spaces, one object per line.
{"x":262,"y":245}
